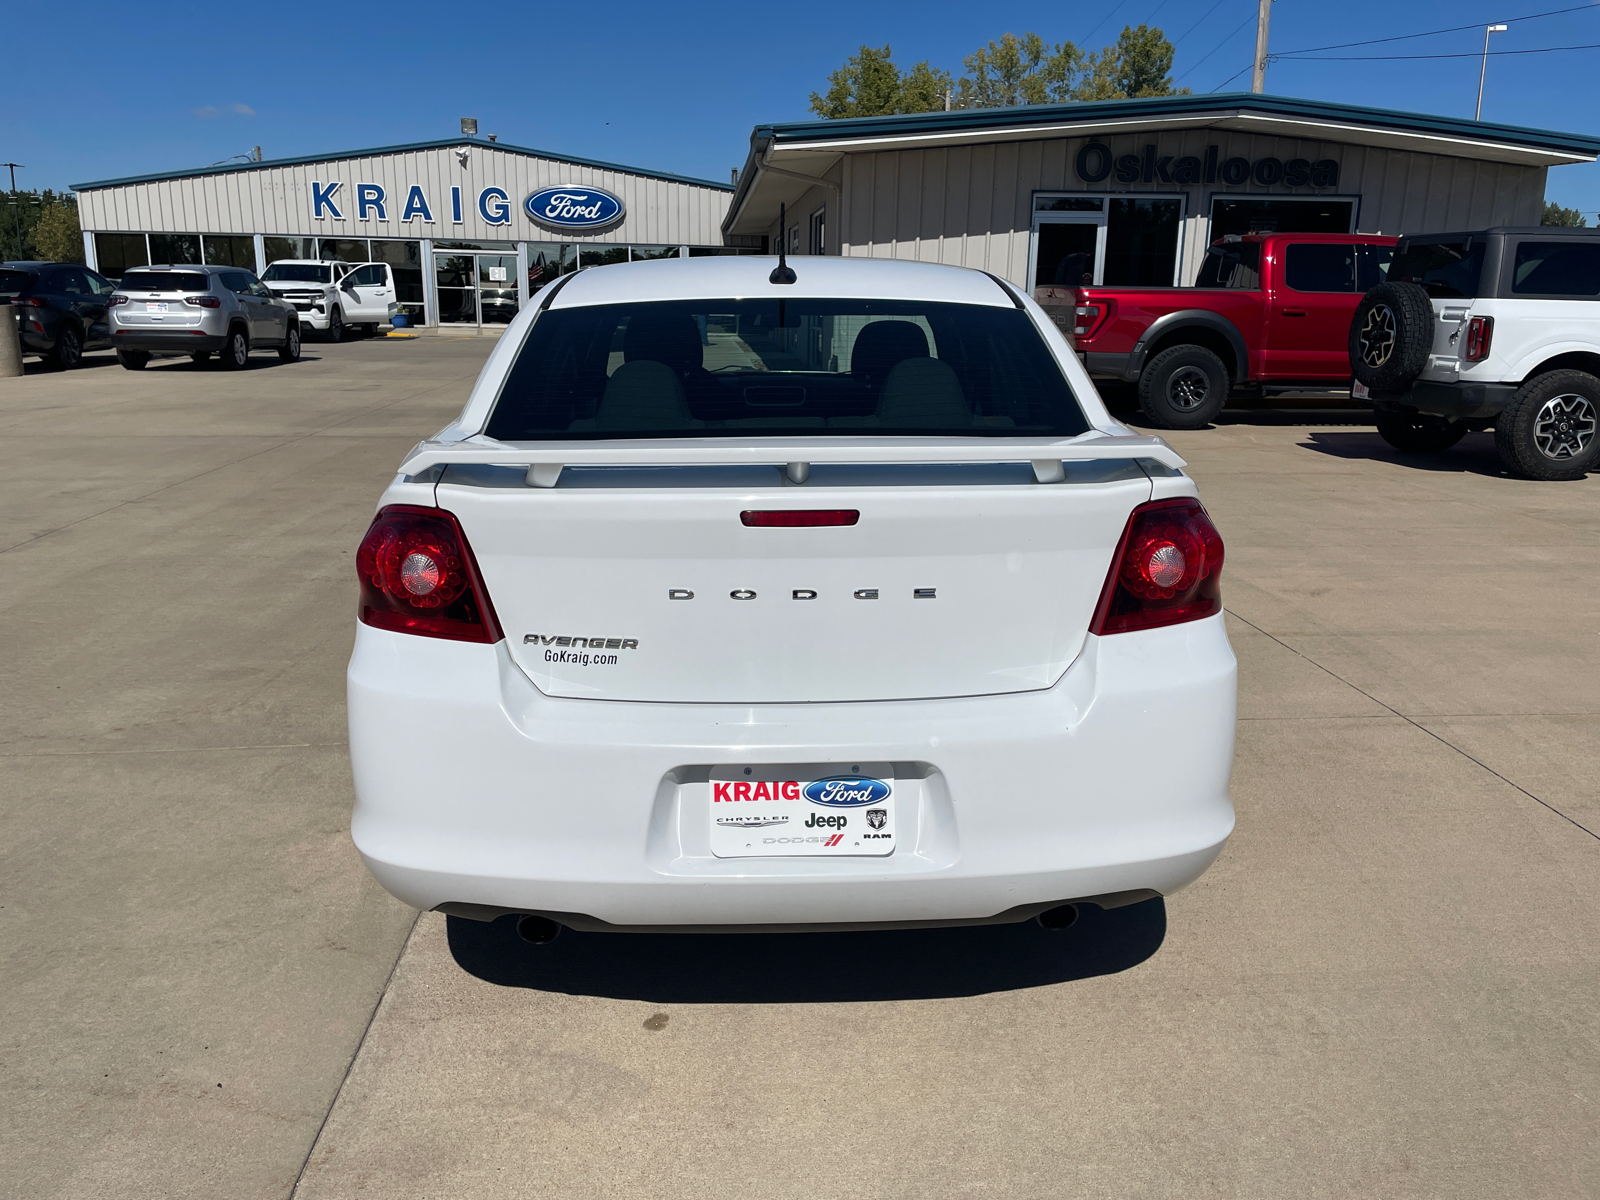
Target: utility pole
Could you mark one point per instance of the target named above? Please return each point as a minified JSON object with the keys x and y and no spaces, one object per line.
{"x":16,"y":207}
{"x":1477,"y":113}
{"x":1258,"y":81}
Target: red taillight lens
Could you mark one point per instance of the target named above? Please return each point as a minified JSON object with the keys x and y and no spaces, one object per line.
{"x":418,"y":576}
{"x":1088,"y":318}
{"x":27,"y":302}
{"x":1167,"y":569}
{"x":116,"y":300}
{"x":1480,"y":332}
{"x":799,"y":517}
{"x":203,"y":301}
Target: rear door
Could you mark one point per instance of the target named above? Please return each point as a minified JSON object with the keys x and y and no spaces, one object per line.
{"x":368,"y":293}
{"x":1308,"y":317}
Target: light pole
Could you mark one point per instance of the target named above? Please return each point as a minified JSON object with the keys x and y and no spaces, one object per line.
{"x":16,"y":208}
{"x":1477,"y":114}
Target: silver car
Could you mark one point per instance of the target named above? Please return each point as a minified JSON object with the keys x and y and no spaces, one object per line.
{"x":199,"y":311}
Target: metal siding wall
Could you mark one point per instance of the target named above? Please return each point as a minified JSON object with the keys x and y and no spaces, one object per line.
{"x":277,"y":200}
{"x":976,"y":199}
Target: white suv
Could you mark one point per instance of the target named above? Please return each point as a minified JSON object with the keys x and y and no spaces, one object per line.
{"x":1498,"y":328}
{"x":735,"y":602}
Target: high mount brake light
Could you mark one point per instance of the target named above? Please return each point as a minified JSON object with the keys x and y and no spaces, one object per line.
{"x":1480,"y":333}
{"x":418,"y":575}
{"x":797,"y":518}
{"x":1167,"y":569}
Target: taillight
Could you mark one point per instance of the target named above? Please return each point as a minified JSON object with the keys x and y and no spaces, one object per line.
{"x":1167,"y":569}
{"x":1480,"y":332}
{"x":28,"y":302}
{"x":116,"y":300}
{"x":203,"y":301}
{"x":1087,"y":319}
{"x":418,"y":576}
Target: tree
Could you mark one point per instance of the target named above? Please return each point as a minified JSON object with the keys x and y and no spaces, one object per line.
{"x":1015,"y":70}
{"x":1144,"y":63}
{"x":21,"y":213}
{"x":1554,"y":214}
{"x":870,"y":85}
{"x":56,"y":235}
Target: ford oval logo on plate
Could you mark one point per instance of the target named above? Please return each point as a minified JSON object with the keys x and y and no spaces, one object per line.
{"x":574,"y":207}
{"x":846,"y":791}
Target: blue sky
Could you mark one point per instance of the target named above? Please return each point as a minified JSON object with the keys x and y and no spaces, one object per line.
{"x":678,"y":87}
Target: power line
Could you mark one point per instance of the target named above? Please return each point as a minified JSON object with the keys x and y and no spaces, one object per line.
{"x":1234,"y":76}
{"x":1217,"y":47}
{"x":1117,"y":8}
{"x":1555,"y":12}
{"x":1419,"y":57}
{"x":1200,"y":22}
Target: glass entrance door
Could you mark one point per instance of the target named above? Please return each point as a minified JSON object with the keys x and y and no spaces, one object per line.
{"x":476,"y":289}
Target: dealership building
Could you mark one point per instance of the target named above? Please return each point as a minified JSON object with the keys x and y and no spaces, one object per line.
{"x":1121,"y":192}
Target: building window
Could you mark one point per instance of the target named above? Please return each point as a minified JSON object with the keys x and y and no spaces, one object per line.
{"x":116,"y":252}
{"x":601,"y":256}
{"x":278,"y":248}
{"x":229,"y":251}
{"x":548,"y":262}
{"x":343,"y":249}
{"x":819,"y":231}
{"x":405,"y":260}
{"x":1259,"y":214}
{"x":175,"y":248}
{"x":1113,"y":241}
{"x":1142,"y":241}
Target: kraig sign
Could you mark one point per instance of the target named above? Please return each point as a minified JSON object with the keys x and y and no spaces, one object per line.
{"x":1096,"y":163}
{"x":567,"y":207}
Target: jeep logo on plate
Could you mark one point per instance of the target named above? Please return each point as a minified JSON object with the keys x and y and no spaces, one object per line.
{"x":574,"y":207}
{"x":846,"y":791}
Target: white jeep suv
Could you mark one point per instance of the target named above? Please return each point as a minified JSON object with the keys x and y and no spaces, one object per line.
{"x":1494,"y":329}
{"x":730,"y":602}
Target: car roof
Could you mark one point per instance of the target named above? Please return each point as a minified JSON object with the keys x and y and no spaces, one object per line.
{"x":1317,"y":237}
{"x":1558,"y":231}
{"x":724,"y":276}
{"x":30,"y":264}
{"x":188,"y":268}
{"x":310,"y":262}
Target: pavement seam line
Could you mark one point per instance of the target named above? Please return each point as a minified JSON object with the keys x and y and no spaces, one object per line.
{"x":1417,"y":725}
{"x":383,"y":994}
{"x":221,"y":467}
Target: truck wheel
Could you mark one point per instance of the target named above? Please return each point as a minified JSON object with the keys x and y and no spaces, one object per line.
{"x":134,"y":360}
{"x":235,"y":352}
{"x":1183,"y":387}
{"x":1417,"y":433}
{"x":335,"y":326}
{"x":1391,"y":335}
{"x":1548,"y":431}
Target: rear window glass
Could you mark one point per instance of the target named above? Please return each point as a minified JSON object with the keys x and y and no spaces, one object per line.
{"x":1448,"y":270}
{"x":1320,"y":267}
{"x":1557,"y":269}
{"x":298,"y":273}
{"x":736,"y":368}
{"x":164,"y":281}
{"x":1233,"y":265}
{"x":14,"y":281}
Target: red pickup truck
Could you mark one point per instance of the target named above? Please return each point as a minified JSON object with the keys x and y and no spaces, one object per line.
{"x":1265,"y":308}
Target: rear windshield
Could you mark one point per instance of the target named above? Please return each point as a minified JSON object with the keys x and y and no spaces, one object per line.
{"x":164,"y":281}
{"x":1564,"y":268}
{"x":1447,"y":270}
{"x":298,"y":273}
{"x":735,"y":368}
{"x":1234,"y":265}
{"x":13,"y":280}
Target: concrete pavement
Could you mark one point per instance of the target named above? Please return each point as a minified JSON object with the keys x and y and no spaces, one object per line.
{"x":1385,"y":987}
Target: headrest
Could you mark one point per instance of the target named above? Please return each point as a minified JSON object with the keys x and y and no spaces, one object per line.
{"x":881,"y":345}
{"x":672,"y":338}
{"x":923,"y":393}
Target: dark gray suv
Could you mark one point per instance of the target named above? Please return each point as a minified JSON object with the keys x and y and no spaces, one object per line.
{"x":199,"y":311}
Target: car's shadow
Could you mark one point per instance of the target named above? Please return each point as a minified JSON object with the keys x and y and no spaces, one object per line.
{"x":791,"y":968}
{"x":1474,"y":454}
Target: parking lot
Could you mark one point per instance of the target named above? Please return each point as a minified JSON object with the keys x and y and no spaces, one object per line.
{"x":1385,"y":987}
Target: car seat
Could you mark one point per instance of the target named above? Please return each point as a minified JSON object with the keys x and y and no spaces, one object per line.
{"x":881,"y":346}
{"x":923,"y":393}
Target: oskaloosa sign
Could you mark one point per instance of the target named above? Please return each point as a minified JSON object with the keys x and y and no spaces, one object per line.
{"x":574,"y":207}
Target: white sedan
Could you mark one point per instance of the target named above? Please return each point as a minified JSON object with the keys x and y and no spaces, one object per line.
{"x":735,"y":602}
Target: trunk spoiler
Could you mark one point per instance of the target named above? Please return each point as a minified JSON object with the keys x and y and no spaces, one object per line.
{"x":545,"y":460}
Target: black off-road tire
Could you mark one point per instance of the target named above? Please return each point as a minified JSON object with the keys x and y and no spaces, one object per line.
{"x":134,"y":360}
{"x":235,"y":354}
{"x":1391,"y":336}
{"x":335,"y":325}
{"x":1183,"y":387}
{"x":1551,"y":428}
{"x":290,"y":350}
{"x":1418,"y":433}
{"x":68,"y":350}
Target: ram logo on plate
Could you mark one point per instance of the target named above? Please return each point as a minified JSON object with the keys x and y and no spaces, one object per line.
{"x":846,"y":791}
{"x":574,"y":207}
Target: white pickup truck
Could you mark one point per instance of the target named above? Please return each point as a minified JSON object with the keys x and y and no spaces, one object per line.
{"x":745,"y":597}
{"x":1498,"y":328}
{"x":334,"y":296}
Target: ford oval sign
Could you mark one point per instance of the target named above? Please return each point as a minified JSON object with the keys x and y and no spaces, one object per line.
{"x":574,"y":207}
{"x":847,"y":791}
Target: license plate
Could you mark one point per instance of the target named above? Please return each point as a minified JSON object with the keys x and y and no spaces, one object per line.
{"x":155,"y":306}
{"x":1359,"y":390}
{"x":783,"y":813}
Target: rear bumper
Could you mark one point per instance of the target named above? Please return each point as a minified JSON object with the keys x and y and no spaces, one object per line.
{"x":476,"y":791}
{"x":168,"y":341}
{"x":1460,"y":401}
{"x":1122,"y":366}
